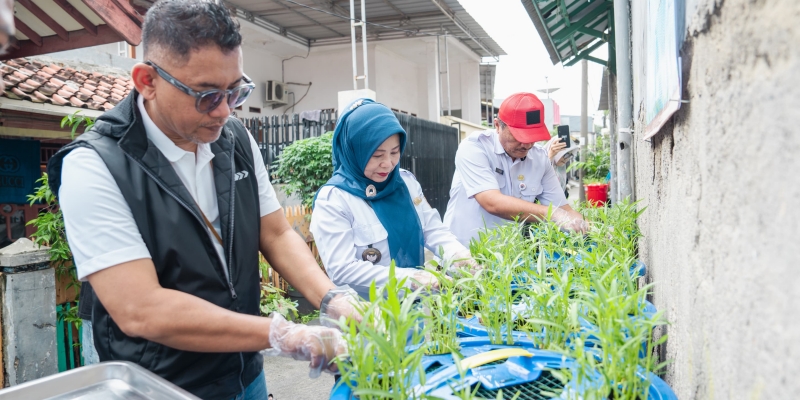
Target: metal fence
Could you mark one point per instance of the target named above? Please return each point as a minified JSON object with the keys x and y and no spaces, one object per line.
{"x":430,"y":150}
{"x":274,"y":133}
{"x":430,"y":155}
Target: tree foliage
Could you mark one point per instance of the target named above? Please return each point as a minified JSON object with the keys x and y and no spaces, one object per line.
{"x":75,"y":120}
{"x":49,"y":223}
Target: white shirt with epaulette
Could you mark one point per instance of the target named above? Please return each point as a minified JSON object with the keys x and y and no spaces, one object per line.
{"x":482,"y":164}
{"x":344,"y":226}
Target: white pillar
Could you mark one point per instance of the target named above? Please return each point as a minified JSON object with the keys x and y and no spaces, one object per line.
{"x":434,"y":100}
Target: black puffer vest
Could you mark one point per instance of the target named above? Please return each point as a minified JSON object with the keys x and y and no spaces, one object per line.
{"x":183,"y":253}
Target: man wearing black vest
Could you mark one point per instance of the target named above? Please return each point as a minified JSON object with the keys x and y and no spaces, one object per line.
{"x":167,"y":204}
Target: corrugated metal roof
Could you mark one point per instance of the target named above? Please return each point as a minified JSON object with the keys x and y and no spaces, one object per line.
{"x":572,"y":29}
{"x":322,"y":22}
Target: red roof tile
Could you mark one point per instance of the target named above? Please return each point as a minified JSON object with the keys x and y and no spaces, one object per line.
{"x":35,"y":81}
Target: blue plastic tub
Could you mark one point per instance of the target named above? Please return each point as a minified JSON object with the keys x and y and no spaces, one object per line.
{"x":528,"y":374}
{"x":471,"y":327}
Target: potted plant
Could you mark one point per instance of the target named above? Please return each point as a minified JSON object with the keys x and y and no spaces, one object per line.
{"x":595,"y":172}
{"x":584,"y":311}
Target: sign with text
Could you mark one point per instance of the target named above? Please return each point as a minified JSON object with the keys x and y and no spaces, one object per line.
{"x":19,"y":170}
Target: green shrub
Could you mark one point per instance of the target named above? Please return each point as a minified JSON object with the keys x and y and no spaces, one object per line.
{"x":305,"y":165}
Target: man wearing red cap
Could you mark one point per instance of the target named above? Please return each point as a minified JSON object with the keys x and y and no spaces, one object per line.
{"x":500,"y":175}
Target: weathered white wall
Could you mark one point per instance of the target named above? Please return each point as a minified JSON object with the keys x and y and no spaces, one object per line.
{"x":721,"y":187}
{"x":455,"y":85}
{"x":395,"y":81}
{"x":424,"y":90}
{"x":330,"y":70}
{"x":470,"y":91}
{"x":260,"y":66}
{"x":400,"y":71}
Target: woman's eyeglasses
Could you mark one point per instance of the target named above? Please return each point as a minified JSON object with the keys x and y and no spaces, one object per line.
{"x":208,"y":100}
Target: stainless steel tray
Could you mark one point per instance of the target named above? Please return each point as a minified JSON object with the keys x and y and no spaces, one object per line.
{"x":107,"y":381}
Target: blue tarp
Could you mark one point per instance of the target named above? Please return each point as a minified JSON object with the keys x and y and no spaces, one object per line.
{"x":19,"y":170}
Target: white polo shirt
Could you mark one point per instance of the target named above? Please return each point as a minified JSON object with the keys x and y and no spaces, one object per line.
{"x":99,"y":224}
{"x":482,"y":164}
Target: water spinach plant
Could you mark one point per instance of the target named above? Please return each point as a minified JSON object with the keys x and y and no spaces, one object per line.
{"x":382,"y":361}
{"x":441,"y":316}
{"x":575,"y":294}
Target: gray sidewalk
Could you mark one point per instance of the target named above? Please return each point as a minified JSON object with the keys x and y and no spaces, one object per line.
{"x":288,"y":379}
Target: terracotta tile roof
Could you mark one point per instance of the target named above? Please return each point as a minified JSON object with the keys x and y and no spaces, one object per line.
{"x":39,"y":82}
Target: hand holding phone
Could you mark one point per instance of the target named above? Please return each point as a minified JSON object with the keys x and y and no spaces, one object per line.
{"x":563,"y":134}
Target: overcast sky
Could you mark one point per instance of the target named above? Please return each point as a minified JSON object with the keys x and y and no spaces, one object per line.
{"x":527,"y":64}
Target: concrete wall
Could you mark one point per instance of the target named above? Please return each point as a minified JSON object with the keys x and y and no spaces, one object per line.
{"x":260,"y":66}
{"x":395,"y":81}
{"x":29,"y":326}
{"x":96,"y":58}
{"x":470,"y":89}
{"x":721,"y":187}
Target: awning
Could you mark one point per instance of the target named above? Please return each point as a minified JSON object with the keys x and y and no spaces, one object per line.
{"x":49,"y":26}
{"x":319,"y":23}
{"x":572,"y":29}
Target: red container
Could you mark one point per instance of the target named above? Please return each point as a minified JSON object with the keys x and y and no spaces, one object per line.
{"x":597,"y":194}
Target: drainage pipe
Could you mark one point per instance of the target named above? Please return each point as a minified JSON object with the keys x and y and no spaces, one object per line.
{"x":622,"y":25}
{"x":612,"y":134}
{"x":439,"y":75}
{"x":364,"y":42}
{"x":447,"y":69}
{"x":353,"y":43}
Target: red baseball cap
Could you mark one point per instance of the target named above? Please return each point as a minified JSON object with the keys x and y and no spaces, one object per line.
{"x":524,"y":115}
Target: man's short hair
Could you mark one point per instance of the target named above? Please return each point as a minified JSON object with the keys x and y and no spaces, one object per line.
{"x":179,"y":27}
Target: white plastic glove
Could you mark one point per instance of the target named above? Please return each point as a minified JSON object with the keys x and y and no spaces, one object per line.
{"x":424,"y":279}
{"x":463,"y":260}
{"x":340,"y":302}
{"x":317,"y":344}
{"x":569,"y":221}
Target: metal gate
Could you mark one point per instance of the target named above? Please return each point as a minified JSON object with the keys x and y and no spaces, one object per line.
{"x":274,"y":133}
{"x":430,"y":155}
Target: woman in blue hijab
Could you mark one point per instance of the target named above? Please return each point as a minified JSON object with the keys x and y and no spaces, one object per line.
{"x":371,"y":211}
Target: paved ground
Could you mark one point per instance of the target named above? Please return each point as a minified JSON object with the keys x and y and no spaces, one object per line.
{"x":574,"y":190}
{"x":288,"y":379}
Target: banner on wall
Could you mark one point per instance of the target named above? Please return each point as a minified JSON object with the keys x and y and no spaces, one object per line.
{"x":663,"y":73}
{"x":19,"y":170}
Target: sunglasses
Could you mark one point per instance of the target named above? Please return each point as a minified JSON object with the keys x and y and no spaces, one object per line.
{"x":208,"y":100}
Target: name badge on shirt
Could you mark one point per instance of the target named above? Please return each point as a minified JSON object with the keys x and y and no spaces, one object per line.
{"x":499,"y":171}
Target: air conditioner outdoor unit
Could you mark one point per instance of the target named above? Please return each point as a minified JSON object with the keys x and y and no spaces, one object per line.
{"x":276,"y":92}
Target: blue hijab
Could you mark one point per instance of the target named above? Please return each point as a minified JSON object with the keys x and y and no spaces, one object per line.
{"x":361,"y":129}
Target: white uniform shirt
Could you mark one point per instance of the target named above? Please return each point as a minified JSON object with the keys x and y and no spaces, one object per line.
{"x":99,"y":224}
{"x":482,"y":164}
{"x":344,"y":226}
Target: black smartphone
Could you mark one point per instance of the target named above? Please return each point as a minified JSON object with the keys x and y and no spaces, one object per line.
{"x":563,"y":134}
